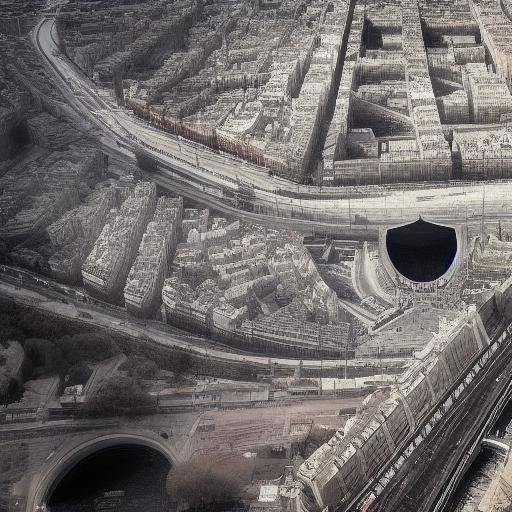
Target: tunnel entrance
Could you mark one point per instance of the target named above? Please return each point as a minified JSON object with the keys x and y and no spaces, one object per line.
{"x":421,"y":251}
{"x":123,"y":477}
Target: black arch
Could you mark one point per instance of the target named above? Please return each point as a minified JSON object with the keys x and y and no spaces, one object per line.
{"x":102,"y":470}
{"x":421,"y":251}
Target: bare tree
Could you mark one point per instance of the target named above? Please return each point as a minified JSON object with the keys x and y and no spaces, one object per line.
{"x":203,"y":482}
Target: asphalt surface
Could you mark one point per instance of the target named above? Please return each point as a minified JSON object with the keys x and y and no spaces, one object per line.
{"x":365,"y":279}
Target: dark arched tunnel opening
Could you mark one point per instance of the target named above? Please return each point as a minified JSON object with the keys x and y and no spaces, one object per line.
{"x":125,"y":477}
{"x":421,"y":251}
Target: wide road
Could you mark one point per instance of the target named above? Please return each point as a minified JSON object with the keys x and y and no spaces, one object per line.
{"x":148,"y":332}
{"x":207,"y":175}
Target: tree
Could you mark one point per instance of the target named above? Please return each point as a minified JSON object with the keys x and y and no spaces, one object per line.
{"x":183,"y":363}
{"x":78,"y":374}
{"x":145,"y":162}
{"x":203,"y":482}
{"x":45,"y":356}
{"x":87,"y":347}
{"x":8,"y":330}
{"x":139,"y":367}
{"x":118,"y":396}
{"x":35,"y":325}
{"x":10,"y":390}
{"x":4,"y":251}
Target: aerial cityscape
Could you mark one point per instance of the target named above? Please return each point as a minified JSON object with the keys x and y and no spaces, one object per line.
{"x":255,"y":255}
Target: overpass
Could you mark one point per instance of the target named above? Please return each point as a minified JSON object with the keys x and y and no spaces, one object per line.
{"x":215,"y":179}
{"x":41,"y":454}
{"x":365,"y":280}
{"x":59,"y":461}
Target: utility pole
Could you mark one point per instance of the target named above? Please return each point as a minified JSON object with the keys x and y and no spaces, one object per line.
{"x":349,"y":340}
{"x":483,"y":213}
{"x":341,"y":348}
{"x":467,"y":236}
{"x":321,"y":374}
{"x":380,"y":361}
{"x":467,"y":232}
{"x":206,"y":360}
{"x":349,"y":214}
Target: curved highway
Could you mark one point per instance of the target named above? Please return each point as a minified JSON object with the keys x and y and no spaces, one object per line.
{"x":200,"y":173}
{"x":149,"y":332}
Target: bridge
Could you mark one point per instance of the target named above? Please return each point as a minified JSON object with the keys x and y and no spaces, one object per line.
{"x":36,"y":456}
{"x":59,"y":461}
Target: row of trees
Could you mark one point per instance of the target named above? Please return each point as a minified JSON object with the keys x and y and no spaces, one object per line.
{"x":67,"y":354}
{"x":120,"y":395}
{"x":19,"y":323}
{"x":52,"y":348}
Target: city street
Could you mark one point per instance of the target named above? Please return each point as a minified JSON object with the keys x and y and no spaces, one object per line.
{"x":135,"y":329}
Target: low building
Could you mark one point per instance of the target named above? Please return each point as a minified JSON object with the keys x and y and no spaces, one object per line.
{"x":227,"y":393}
{"x":106,"y":268}
{"x":488,"y":94}
{"x":142,"y":292}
